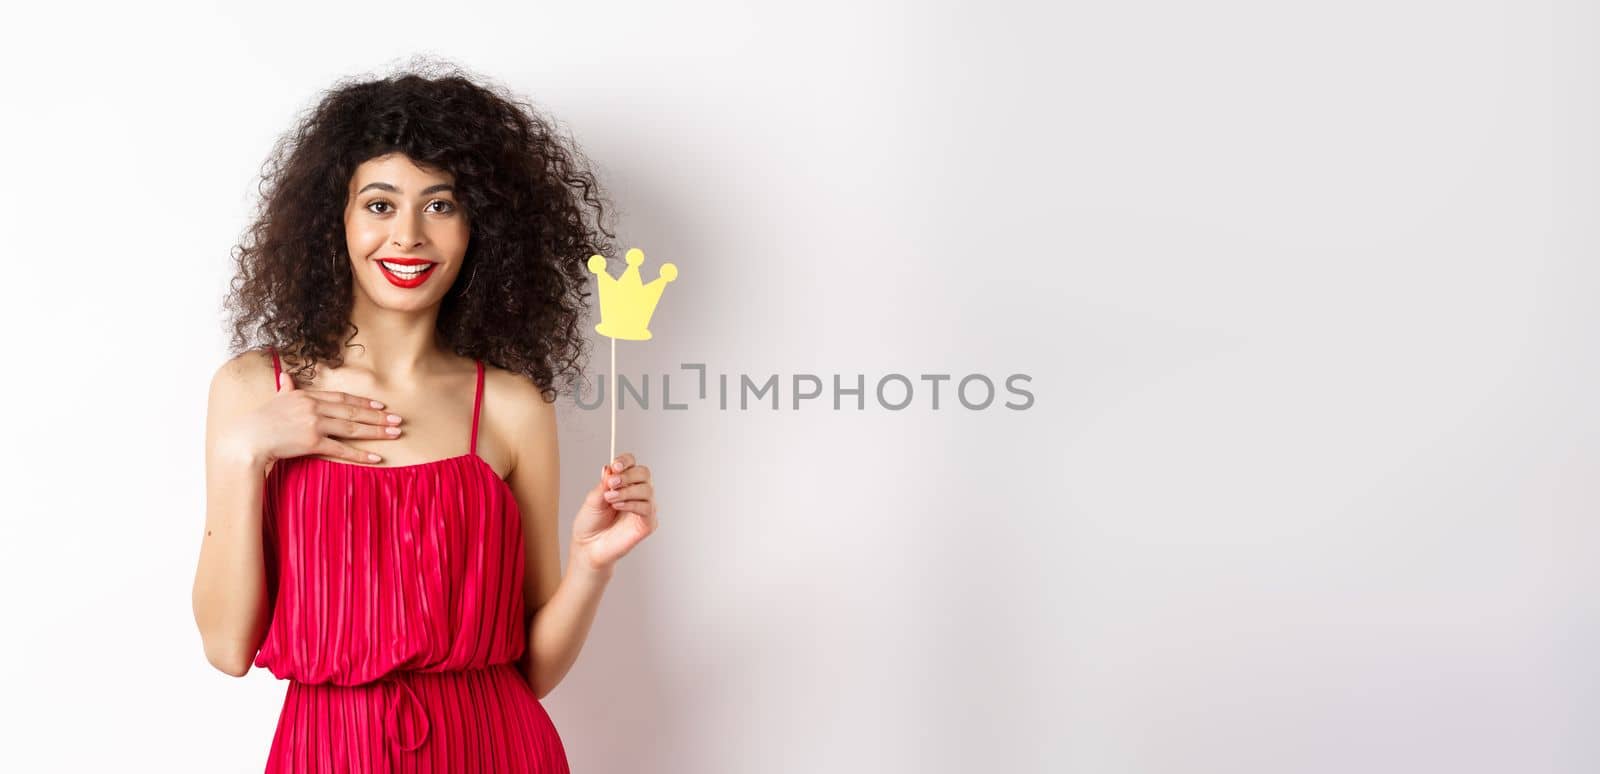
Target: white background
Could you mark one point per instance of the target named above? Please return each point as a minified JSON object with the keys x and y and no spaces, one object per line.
{"x":1305,"y":292}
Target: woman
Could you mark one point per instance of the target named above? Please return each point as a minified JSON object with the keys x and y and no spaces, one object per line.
{"x":381,"y":524}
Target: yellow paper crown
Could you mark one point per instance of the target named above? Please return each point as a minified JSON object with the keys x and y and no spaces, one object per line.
{"x":626,"y":304}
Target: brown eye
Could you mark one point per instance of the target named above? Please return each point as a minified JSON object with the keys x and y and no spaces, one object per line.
{"x":448,"y":206}
{"x":375,"y":202}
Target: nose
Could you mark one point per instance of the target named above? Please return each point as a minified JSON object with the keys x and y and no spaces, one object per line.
{"x":407,"y":234}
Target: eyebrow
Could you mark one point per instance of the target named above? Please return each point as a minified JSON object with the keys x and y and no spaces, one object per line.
{"x":390,"y":188}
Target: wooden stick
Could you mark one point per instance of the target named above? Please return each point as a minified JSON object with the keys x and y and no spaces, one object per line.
{"x":615,"y":385}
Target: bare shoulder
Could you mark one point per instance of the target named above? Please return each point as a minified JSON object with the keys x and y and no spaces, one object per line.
{"x":514,"y":397}
{"x":239,"y":385}
{"x":242,"y":381}
{"x":515,"y":411}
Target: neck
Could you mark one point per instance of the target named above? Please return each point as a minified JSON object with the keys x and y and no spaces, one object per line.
{"x":395,"y":346}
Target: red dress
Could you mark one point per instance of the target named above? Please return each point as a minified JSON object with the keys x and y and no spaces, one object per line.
{"x":397,"y":617}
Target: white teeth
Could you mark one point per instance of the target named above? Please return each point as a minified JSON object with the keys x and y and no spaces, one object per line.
{"x":406,"y":272}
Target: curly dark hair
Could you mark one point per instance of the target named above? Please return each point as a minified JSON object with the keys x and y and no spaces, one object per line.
{"x":528,"y":195}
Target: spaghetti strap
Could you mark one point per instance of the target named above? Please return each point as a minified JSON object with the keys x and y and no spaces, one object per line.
{"x":276,"y":369}
{"x":477,"y":403}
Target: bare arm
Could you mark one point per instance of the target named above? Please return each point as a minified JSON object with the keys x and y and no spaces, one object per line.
{"x":230,"y":593}
{"x":561,"y":626}
{"x":562,"y":606}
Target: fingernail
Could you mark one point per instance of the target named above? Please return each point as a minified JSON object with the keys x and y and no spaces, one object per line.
{"x":395,"y":418}
{"x":616,"y":480}
{"x":376,"y":404}
{"x":373,"y":457}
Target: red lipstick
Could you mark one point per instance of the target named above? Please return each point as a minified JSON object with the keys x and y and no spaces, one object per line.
{"x":405,"y":278}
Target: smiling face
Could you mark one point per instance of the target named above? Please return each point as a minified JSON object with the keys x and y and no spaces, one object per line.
{"x":406,"y":232}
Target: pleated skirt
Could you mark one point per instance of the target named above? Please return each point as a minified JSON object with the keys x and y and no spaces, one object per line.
{"x":412,"y":722}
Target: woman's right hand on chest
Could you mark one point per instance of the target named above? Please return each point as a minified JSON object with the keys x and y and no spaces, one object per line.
{"x":298,"y":422}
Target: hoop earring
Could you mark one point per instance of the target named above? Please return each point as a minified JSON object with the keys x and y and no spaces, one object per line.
{"x":471,"y":278}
